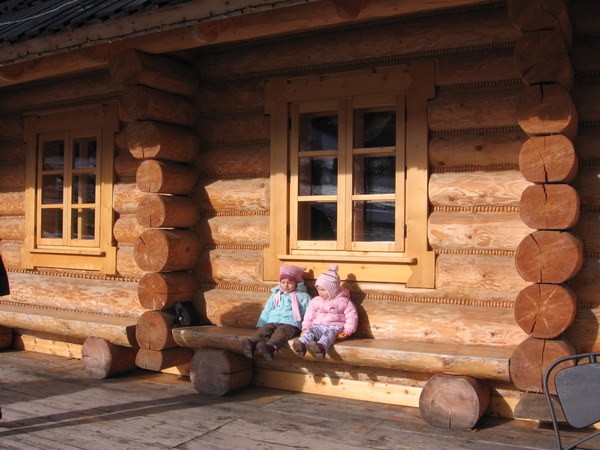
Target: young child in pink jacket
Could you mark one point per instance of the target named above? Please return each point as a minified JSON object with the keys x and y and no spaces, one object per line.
{"x":328,"y":316}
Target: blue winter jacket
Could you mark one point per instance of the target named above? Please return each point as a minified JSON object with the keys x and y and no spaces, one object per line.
{"x":284,"y":312}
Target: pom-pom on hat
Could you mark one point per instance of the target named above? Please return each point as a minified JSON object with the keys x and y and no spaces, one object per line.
{"x":330,"y":281}
{"x":292,"y":272}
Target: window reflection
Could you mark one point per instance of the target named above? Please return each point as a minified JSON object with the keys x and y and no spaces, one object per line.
{"x":318,"y":131}
{"x":53,"y":155}
{"x":374,"y":128}
{"x":84,"y":189}
{"x":374,"y":221}
{"x":52,"y":223}
{"x":317,"y":221}
{"x":374,"y":174}
{"x":317,"y":176}
{"x":84,"y":153}
{"x":82,"y":223}
{"x":52,"y":189}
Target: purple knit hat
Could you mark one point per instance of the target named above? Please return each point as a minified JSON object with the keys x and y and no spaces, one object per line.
{"x":330,"y":281}
{"x":292,"y":272}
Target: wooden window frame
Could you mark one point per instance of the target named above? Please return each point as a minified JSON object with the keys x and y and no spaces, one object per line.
{"x":415,"y":265}
{"x":98,"y":254}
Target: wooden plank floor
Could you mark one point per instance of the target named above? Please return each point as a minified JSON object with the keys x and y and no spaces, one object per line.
{"x":48,"y":402}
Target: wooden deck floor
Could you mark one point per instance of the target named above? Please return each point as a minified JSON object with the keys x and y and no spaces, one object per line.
{"x":48,"y":402}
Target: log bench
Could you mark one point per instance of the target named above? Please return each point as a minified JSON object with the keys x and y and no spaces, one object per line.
{"x":219,"y":367}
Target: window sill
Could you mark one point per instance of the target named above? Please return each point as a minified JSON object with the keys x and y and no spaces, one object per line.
{"x":381,"y":259}
{"x":68,"y":251}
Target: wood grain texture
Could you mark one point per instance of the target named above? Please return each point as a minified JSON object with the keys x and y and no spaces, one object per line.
{"x":545,"y":310}
{"x":549,"y":206}
{"x":548,"y":159}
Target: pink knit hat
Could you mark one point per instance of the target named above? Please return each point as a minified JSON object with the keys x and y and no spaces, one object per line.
{"x":292,"y":272}
{"x":330,"y":281}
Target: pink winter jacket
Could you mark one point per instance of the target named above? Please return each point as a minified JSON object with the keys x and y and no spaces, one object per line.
{"x":337,"y":311}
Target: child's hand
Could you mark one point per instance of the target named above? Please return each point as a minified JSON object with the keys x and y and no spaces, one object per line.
{"x":344,"y":334}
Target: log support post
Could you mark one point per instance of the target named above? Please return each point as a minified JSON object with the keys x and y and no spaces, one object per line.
{"x":102,"y":359}
{"x":551,"y":255}
{"x":454,"y":402}
{"x":160,"y":115}
{"x":219,"y":372}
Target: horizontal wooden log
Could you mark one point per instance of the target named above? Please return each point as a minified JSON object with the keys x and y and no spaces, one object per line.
{"x":468,"y":230}
{"x":131,"y":67}
{"x":162,"y":141}
{"x":153,"y":330}
{"x":234,"y":195}
{"x":478,"y":150}
{"x":127,"y":229}
{"x":61,"y":91}
{"x":12,"y":151}
{"x":479,"y":188}
{"x":549,"y":256}
{"x":12,"y":202}
{"x":11,"y":254}
{"x":101,"y":359}
{"x":12,"y":176}
{"x":6,"y":337}
{"x":540,"y":15}
{"x":234,"y":159}
{"x":230,"y":266}
{"x":158,"y":250}
{"x":485,"y":362}
{"x":220,"y":95}
{"x":586,"y":98}
{"x":167,"y":211}
{"x":476,"y":67}
{"x":549,"y":206}
{"x":162,"y":177}
{"x":548,"y":159}
{"x":219,"y":372}
{"x":110,"y":296}
{"x":547,"y":109}
{"x":70,"y":325}
{"x":474,"y":109}
{"x":126,"y":197}
{"x":589,"y":232}
{"x":236,"y":230}
{"x":160,"y":291}
{"x":421,"y":322}
{"x":454,"y":402}
{"x":11,"y":126}
{"x":543,"y":57}
{"x":532,"y":357}
{"x":158,"y":360}
{"x":424,"y":35}
{"x":478,"y":277}
{"x":586,"y":143}
{"x":141,"y":103}
{"x":545,"y":310}
{"x":233,"y":127}
{"x":12,"y":228}
{"x":126,"y":264}
{"x":126,"y":166}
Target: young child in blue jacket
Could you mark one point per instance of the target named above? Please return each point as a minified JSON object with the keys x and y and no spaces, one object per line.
{"x":281,"y":318}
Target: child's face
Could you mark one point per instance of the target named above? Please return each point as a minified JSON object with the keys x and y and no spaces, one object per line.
{"x":287,"y":285}
{"x":323,"y":293}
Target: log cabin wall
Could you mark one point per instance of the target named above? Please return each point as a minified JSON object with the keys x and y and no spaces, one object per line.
{"x":474,"y":190}
{"x":64,"y":305}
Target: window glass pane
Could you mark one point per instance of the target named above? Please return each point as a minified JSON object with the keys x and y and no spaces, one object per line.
{"x":84,"y":153}
{"x":374,"y":128}
{"x":82,"y":223}
{"x":53,"y":155}
{"x":84,"y":188}
{"x":374,"y":174}
{"x":318,"y":131}
{"x":373,"y":221}
{"x":317,"y":176}
{"x":52,"y":223}
{"x":52,"y":189}
{"x":317,"y":221}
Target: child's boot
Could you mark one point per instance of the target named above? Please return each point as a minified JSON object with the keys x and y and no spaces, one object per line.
{"x":248,"y":347}
{"x":267,"y":350}
{"x":299,"y":348}
{"x":316,"y":349}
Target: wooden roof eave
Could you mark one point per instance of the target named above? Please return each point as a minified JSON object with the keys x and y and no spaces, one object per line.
{"x":191,"y":25}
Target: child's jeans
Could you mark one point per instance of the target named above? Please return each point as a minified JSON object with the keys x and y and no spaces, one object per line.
{"x":323,"y":334}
